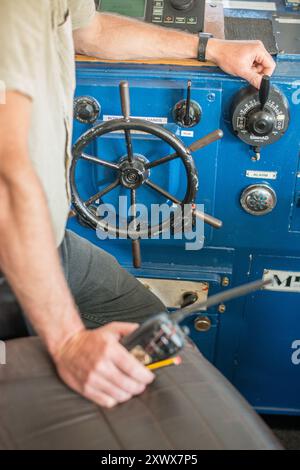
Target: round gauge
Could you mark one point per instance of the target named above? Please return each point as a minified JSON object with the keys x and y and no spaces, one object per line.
{"x":258,"y":199}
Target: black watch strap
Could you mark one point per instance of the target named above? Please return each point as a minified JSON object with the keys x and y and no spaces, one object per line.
{"x":203,"y":39}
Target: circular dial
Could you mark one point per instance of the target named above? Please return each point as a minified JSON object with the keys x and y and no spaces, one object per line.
{"x":187,"y":118}
{"x":182,"y":4}
{"x":86,"y":109}
{"x":256,"y":126}
{"x":187,"y":113}
{"x":258,"y":199}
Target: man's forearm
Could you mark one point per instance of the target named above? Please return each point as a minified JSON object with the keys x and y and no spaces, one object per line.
{"x":29,"y":258}
{"x":120,"y":38}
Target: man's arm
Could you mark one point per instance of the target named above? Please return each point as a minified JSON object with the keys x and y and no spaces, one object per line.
{"x":28,"y":256}
{"x":91,"y":362}
{"x":119,"y":38}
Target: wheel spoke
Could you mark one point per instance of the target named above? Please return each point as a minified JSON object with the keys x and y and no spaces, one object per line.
{"x":161,"y":161}
{"x":162,"y":191}
{"x":136,"y":253}
{"x":133,"y":208}
{"x":125,"y":104}
{"x":136,"y":244}
{"x":129,"y":145}
{"x":197,"y":145}
{"x":102,"y":193}
{"x":208,"y":219}
{"x":99,"y":161}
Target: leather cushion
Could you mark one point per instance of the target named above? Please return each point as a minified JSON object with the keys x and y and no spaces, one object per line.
{"x":191,"y":406}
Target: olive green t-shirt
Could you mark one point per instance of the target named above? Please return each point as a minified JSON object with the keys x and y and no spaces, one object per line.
{"x":37,"y":59}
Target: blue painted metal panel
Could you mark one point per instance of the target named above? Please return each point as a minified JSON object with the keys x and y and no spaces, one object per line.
{"x":251,"y":343}
{"x":266,"y":365}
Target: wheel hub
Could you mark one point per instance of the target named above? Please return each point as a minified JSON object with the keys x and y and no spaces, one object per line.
{"x":133,"y":174}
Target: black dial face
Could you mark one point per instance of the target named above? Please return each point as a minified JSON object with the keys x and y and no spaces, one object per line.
{"x":259,"y":127}
{"x":182,"y":4}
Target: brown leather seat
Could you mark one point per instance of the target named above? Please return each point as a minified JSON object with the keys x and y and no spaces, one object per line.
{"x":190,"y":406}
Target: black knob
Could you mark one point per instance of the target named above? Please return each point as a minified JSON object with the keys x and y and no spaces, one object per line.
{"x":86,"y":109}
{"x":182,"y":4}
{"x":189,"y":298}
{"x":261,"y":123}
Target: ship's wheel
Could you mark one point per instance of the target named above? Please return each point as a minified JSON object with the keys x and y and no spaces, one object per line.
{"x":133,"y":171}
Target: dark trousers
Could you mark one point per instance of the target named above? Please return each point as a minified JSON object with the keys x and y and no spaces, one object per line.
{"x":191,"y":406}
{"x":103,"y":291}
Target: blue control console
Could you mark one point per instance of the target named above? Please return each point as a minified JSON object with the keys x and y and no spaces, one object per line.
{"x":249,"y":179}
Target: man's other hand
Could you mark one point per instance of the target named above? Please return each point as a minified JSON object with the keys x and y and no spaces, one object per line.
{"x":247,"y":59}
{"x":96,"y":365}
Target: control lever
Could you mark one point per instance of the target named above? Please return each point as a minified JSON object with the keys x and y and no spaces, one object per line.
{"x":187,"y":113}
{"x":261,"y":121}
{"x":264,"y":91}
{"x":187,"y":117}
{"x":161,"y":337}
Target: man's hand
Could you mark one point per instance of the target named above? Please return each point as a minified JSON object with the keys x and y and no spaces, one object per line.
{"x":247,"y":59}
{"x":96,"y":365}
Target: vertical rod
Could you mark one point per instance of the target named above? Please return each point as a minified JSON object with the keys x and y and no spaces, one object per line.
{"x":125,"y":99}
{"x":188,"y":105}
{"x":136,"y":244}
{"x":125,"y":104}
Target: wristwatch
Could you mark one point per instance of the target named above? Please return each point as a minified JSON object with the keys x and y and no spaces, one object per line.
{"x":203,"y":39}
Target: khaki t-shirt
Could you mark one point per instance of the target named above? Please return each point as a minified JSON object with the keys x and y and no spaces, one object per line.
{"x":37,"y":59}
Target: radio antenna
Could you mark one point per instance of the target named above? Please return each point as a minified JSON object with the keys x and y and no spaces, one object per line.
{"x":221,"y":297}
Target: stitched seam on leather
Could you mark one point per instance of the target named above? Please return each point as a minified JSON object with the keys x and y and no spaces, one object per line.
{"x":157,"y":425}
{"x":54,"y":427}
{"x":155,"y":421}
{"x":196,"y":407}
{"x":13,"y":442}
{"x":110,"y":425}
